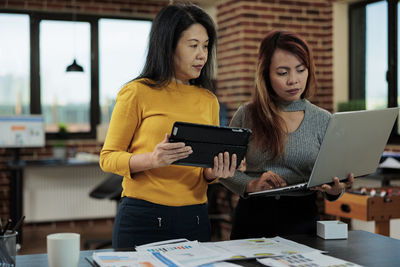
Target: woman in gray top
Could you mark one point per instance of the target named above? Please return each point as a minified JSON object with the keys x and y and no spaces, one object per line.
{"x":287,"y":134}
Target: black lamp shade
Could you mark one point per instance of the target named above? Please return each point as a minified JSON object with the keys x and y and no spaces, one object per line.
{"x":74,"y":67}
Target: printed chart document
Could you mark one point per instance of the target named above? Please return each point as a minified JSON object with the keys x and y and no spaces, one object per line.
{"x":190,"y":253}
{"x":311,"y":259}
{"x":258,"y":247}
{"x":275,"y":252}
{"x":132,"y":259}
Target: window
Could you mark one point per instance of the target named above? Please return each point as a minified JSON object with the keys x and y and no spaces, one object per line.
{"x":65,"y":96}
{"x":39,"y":48}
{"x":373,"y":55}
{"x":122,"y":57}
{"x":376,"y":87}
{"x":14,"y":64}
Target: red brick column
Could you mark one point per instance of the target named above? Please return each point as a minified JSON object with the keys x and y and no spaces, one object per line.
{"x":242,"y":25}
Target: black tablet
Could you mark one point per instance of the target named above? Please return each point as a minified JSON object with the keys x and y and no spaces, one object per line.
{"x":207,"y":141}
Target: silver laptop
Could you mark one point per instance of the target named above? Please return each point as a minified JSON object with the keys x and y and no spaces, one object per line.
{"x":353,"y":143}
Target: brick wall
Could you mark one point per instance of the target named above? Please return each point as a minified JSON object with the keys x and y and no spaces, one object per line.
{"x":241,"y":27}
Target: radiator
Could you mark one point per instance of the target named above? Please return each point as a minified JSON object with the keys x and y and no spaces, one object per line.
{"x":58,"y":193}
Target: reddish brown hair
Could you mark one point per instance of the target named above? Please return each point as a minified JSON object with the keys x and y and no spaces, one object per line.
{"x":268,"y":126}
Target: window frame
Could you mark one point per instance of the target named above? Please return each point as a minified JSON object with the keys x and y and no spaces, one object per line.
{"x":357,"y":40}
{"x":35,"y":101}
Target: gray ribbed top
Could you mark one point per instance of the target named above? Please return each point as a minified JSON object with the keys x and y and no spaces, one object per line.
{"x":301,"y":149}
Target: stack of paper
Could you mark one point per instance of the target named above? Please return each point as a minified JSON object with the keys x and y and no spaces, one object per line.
{"x":390,"y":163}
{"x":276,"y":252}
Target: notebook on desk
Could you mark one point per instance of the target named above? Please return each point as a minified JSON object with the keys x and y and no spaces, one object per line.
{"x":353,"y":143}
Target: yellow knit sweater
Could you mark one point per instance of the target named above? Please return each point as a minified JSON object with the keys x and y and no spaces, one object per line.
{"x":141,"y":118}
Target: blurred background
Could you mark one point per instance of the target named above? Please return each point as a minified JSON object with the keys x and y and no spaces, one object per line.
{"x":67,"y":60}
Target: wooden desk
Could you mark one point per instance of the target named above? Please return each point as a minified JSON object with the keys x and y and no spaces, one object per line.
{"x":361,"y":247}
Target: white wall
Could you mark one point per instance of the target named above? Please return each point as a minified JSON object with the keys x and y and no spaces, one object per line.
{"x":340,"y":53}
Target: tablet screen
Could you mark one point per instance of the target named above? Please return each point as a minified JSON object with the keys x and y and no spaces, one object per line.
{"x":207,"y":141}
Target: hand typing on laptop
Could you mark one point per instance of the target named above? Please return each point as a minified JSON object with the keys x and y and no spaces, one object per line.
{"x":267,"y":180}
{"x":270,"y":180}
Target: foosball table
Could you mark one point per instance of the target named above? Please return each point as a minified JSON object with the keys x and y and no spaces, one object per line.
{"x":368,"y":204}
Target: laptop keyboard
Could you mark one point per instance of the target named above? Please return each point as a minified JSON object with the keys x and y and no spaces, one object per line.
{"x":284,"y":189}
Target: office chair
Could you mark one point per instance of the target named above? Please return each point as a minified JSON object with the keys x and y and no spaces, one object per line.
{"x":110,"y":188}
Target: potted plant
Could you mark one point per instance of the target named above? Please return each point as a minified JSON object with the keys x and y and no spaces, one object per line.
{"x":59,"y":147}
{"x":351,"y":105}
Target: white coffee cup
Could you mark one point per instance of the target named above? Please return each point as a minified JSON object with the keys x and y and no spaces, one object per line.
{"x":63,"y":249}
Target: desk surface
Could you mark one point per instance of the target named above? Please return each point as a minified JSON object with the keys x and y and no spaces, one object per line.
{"x":361,"y":247}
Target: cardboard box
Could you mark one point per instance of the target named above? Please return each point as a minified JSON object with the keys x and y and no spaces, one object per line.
{"x":332,"y":229}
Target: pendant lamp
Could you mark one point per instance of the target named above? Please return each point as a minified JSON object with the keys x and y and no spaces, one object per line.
{"x":74,"y":66}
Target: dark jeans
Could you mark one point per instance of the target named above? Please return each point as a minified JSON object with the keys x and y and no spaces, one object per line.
{"x":139,"y":222}
{"x":270,"y":217}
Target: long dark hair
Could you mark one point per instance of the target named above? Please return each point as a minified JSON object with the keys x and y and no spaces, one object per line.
{"x":269,"y":127}
{"x":165,"y":32}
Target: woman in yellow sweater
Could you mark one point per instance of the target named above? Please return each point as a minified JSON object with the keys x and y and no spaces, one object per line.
{"x":161,"y":201}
